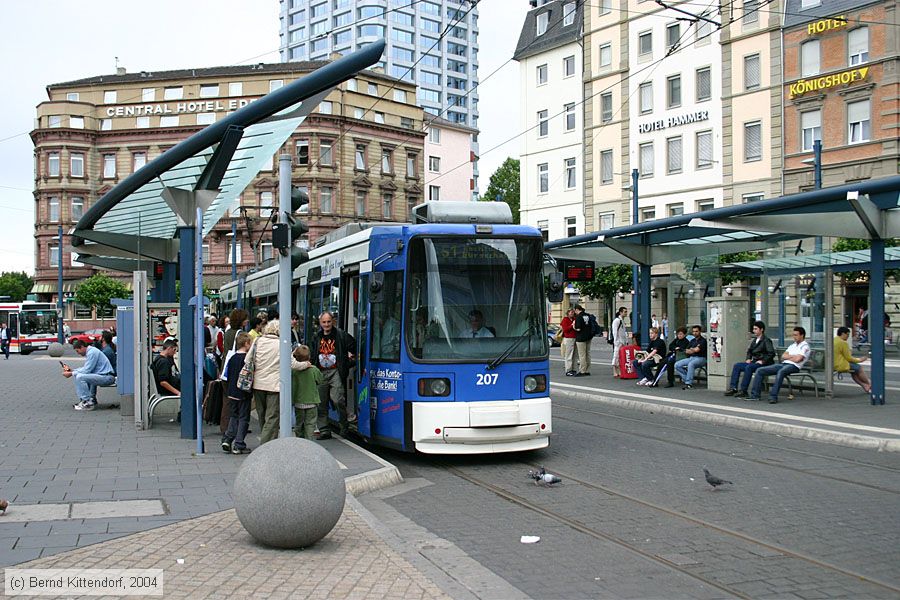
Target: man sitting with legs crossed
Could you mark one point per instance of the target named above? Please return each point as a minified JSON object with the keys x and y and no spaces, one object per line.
{"x":792,"y":361}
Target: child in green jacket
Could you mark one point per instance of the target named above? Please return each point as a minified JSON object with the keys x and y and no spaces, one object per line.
{"x":305,"y":395}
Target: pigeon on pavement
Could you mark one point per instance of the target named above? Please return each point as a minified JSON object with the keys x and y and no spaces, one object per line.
{"x":3,"y":505}
{"x":713,"y":480}
{"x":543,"y":476}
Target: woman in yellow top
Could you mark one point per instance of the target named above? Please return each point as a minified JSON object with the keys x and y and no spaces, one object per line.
{"x":844,"y":362}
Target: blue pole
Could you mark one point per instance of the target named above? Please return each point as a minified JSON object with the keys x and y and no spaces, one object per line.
{"x":198,"y":324}
{"x":781,"y":317}
{"x":819,"y":296}
{"x":186,"y":349}
{"x":233,"y":249}
{"x":876,"y":320}
{"x":635,"y":309}
{"x":167,"y":285}
{"x":284,"y":303}
{"x":59,"y":296}
{"x":644,"y":302}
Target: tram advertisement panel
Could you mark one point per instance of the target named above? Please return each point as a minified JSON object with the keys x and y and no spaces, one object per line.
{"x":163,"y":326}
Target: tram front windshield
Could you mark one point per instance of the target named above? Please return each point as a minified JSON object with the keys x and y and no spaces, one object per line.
{"x":471,"y":299}
{"x":37,"y":322}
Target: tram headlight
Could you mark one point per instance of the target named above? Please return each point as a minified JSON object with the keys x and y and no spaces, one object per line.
{"x":438,"y":386}
{"x":535,"y":383}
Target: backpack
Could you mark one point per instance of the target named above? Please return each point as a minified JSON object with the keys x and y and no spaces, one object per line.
{"x":594,"y":325}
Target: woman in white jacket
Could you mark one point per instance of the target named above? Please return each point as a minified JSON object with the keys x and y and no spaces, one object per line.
{"x":266,"y":379}
{"x":620,"y":338}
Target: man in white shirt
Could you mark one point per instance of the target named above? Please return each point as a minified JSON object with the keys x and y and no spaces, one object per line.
{"x":5,"y":339}
{"x":476,"y":328}
{"x":792,"y":361}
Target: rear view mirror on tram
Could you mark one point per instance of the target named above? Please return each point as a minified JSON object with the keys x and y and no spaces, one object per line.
{"x":555,"y":287}
{"x":376,"y":288}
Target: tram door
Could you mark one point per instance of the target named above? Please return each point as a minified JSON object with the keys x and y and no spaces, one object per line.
{"x":351,"y":319}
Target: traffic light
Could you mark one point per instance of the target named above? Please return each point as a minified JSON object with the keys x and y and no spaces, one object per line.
{"x":289,"y":229}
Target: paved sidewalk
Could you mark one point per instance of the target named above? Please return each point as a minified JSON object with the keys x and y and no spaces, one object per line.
{"x":214,"y":557}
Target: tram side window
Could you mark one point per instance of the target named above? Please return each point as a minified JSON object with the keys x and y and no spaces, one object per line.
{"x":386,"y":319}
{"x":314,"y":309}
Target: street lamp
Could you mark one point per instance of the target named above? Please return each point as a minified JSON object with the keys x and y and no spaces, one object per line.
{"x":59,"y":286}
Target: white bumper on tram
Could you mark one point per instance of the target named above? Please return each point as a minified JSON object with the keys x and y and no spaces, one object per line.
{"x":481,"y":427}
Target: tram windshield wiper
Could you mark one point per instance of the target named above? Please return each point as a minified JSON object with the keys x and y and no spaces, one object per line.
{"x":496,"y":362}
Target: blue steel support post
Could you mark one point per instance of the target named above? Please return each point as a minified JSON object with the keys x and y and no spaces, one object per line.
{"x":167,"y":285}
{"x":186,"y":349}
{"x":284,"y":302}
{"x":59,"y":296}
{"x":819,"y":295}
{"x":200,"y":357}
{"x":876,"y":320}
{"x":644,"y":303}
{"x":233,"y":249}
{"x":635,"y":309}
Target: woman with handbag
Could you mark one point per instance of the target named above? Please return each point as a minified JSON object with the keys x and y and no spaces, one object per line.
{"x":567,"y":344}
{"x":261,"y":374}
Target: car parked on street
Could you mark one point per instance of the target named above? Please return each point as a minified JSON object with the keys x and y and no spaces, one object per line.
{"x":552,"y":328}
{"x":90,"y":336}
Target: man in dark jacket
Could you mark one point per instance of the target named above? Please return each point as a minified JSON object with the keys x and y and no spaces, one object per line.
{"x":332,"y":351}
{"x":583,"y":337}
{"x":760,"y":353}
{"x":696,"y":357}
{"x":655,"y":352}
{"x":679,"y":344}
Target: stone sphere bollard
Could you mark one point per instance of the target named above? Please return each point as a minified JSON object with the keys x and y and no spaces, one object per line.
{"x":55,"y":349}
{"x":289,"y":493}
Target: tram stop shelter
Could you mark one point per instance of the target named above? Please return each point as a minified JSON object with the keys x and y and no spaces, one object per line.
{"x":160,"y":213}
{"x":785,"y":234}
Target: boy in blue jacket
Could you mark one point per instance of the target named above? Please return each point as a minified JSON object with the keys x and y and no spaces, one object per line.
{"x":233,"y":439}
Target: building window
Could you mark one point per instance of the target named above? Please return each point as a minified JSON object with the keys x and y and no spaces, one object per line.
{"x":605,"y":56}
{"x":541,"y":74}
{"x":325,"y":153}
{"x":53,"y":164}
{"x":73,"y":260}
{"x":77,"y":208}
{"x":543,"y":125}
{"x":568,"y":66}
{"x":54,"y":209}
{"x":109,"y":165}
{"x":571,"y":226}
{"x":704,"y":84}
{"x":434,"y":193}
{"x":606,"y":166}
{"x":703,"y":33}
{"x":173,"y":93}
{"x":752,"y":141}
{"x":606,"y":221}
{"x":809,"y":58}
{"x":570,"y":173}
{"x":705,"y":205}
{"x":810,"y":129}
{"x":265,"y":251}
{"x":54,"y":121}
{"x":138,"y":160}
{"x":645,"y":45}
{"x":105,"y":124}
{"x":53,"y":255}
{"x":752,"y":73}
{"x":142,"y":122}
{"x":541,"y":22}
{"x":606,"y":107}
{"x":361,"y":202}
{"x":358,"y":113}
{"x":275,"y":84}
{"x":434,"y":135}
{"x":751,"y":11}
{"x":360,"y":156}
{"x":372,"y":89}
{"x":205,"y":253}
{"x":675,"y":210}
{"x":76,"y":164}
{"x":673,"y":155}
{"x":568,"y":13}
{"x":388,"y":206}
{"x":858,"y":44}
{"x":804,"y":4}
{"x":673,"y":35}
{"x":605,"y":7}
{"x":76,"y":122}
{"x":704,"y":150}
{"x":379,"y":117}
{"x":754,"y":197}
{"x":648,"y":214}
{"x":434,"y":164}
{"x":646,"y":97}
{"x":544,"y":228}
{"x":543,"y":178}
{"x":400,"y":96}
{"x":302,"y":152}
{"x":169,"y":121}
{"x":570,"y":116}
{"x":325,"y":107}
{"x":325,"y":197}
{"x":411,"y":158}
{"x":646,"y":157}
{"x":387,"y":161}
{"x":72,"y":96}
{"x":859,"y":122}
{"x":266,"y":200}
{"x":207,"y":90}
{"x":234,"y":253}
{"x":109,"y":97}
{"x":673,"y":91}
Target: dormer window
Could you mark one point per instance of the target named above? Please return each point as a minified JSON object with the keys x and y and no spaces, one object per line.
{"x":542,"y":20}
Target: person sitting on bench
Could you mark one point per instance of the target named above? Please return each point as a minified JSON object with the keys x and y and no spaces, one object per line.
{"x":760,"y":353}
{"x":844,"y":362}
{"x":680,"y":343}
{"x":792,"y":361}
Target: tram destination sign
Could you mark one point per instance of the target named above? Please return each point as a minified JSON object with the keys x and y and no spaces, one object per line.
{"x":577,"y":270}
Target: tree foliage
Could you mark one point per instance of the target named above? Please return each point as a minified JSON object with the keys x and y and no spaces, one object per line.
{"x":505,"y":184}
{"x":99,"y":289}
{"x":849,"y":244}
{"x":606,"y":283}
{"x":15,"y":284}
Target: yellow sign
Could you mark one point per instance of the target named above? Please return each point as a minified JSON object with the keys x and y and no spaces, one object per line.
{"x":826,"y":25}
{"x":820,"y":83}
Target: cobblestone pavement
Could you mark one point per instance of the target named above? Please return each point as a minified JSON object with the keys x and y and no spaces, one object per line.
{"x":634,"y":518}
{"x":221,"y":560}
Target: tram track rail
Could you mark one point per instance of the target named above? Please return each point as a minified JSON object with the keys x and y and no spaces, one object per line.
{"x":576,"y":525}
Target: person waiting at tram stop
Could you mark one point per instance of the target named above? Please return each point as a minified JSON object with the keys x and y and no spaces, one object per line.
{"x":679,"y":344}
{"x":332,"y":354}
{"x":760,"y":353}
{"x":567,"y":345}
{"x":695,"y":358}
{"x":844,"y":362}
{"x":95,"y":372}
{"x":793,"y":359}
{"x":583,"y":337}
{"x":109,"y":349}
{"x":476,"y":328}
{"x":645,"y":366}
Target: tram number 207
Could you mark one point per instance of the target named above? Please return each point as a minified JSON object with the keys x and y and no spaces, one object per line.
{"x":486,"y":378}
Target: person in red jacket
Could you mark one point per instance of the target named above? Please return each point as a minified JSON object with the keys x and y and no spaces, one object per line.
{"x":567,"y":347}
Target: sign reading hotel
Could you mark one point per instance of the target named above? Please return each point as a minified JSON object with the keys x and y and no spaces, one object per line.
{"x":694,"y":117}
{"x":824,"y":25}
{"x":140,"y":110}
{"x":822,"y":83}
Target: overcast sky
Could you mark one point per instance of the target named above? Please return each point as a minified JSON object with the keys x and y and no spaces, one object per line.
{"x":66,"y":40}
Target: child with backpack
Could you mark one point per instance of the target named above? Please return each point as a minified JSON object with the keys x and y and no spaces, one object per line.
{"x":233,"y":438}
{"x":305,"y":394}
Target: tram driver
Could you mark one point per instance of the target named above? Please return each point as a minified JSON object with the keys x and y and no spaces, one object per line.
{"x":476,"y":328}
